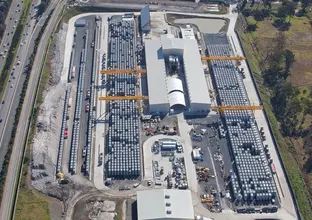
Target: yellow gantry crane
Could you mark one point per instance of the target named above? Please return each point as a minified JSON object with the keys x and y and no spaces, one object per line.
{"x":113,"y":98}
{"x":120,"y":71}
{"x":237,"y":107}
{"x":224,"y":58}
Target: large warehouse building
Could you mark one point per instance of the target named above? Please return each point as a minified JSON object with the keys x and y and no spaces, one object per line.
{"x":166,"y":92}
{"x":162,"y":204}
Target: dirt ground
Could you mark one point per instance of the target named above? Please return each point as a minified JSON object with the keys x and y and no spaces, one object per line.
{"x":103,"y":208}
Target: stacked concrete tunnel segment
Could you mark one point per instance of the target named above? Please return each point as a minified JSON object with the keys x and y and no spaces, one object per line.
{"x":251,"y":180}
{"x":79,"y":100}
{"x":122,"y":140}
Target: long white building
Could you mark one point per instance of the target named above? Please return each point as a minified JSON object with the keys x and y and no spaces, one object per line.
{"x":166,"y":92}
{"x":165,"y":204}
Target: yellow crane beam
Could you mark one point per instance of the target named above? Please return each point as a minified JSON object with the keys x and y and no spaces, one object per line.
{"x":240,"y":107}
{"x":119,"y":71}
{"x":112,"y":98}
{"x":224,"y":58}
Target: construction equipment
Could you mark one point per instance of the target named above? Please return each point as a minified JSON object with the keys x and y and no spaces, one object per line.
{"x":112,"y":98}
{"x":60,"y":176}
{"x":210,"y":198}
{"x":119,"y":71}
{"x":223,"y":58}
{"x":206,"y":169}
{"x":237,"y":107}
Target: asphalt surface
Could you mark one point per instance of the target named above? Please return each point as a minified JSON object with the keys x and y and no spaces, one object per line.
{"x":79,"y":41}
{"x":211,"y":146}
{"x":12,"y":177}
{"x":11,"y":20}
{"x":14,"y":85}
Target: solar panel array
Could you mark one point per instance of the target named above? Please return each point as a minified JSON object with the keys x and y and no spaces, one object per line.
{"x":251,"y":181}
{"x":123,"y":142}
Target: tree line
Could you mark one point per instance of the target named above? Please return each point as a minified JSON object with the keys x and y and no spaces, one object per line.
{"x":42,"y":7}
{"x":290,"y":107}
{"x":282,"y":16}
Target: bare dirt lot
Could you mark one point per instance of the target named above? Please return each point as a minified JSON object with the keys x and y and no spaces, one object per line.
{"x":103,"y":208}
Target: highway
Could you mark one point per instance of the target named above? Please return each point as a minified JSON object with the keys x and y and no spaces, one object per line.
{"x":14,"y":85}
{"x":13,"y":15}
{"x":12,"y":177}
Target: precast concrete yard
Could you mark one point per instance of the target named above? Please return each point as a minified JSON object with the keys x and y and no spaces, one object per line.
{"x":82,"y":65}
{"x":222,"y":158}
{"x":123,"y":140}
{"x":75,"y":157}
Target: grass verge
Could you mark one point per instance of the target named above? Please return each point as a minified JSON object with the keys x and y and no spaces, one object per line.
{"x":284,"y":145}
{"x":119,"y":208}
{"x":11,"y":54}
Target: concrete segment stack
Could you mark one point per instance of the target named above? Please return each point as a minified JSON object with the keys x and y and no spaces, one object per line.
{"x":251,"y":181}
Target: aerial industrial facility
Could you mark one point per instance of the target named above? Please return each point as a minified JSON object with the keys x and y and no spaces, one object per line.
{"x":150,"y":116}
{"x":168,"y":117}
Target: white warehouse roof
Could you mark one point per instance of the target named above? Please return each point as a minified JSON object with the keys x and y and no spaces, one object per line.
{"x":156,"y":72}
{"x":176,"y":98}
{"x":194,"y":74}
{"x":174,"y":84}
{"x":165,"y":204}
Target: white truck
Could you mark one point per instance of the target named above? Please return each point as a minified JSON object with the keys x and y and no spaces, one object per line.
{"x":70,"y":102}
{"x":196,"y":155}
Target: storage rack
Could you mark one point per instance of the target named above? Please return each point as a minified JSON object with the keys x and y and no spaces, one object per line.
{"x":123,"y":141}
{"x":64,"y":121}
{"x":251,"y":181}
{"x":90,"y":113}
{"x":79,"y":99}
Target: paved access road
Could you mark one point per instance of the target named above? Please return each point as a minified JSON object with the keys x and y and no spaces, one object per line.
{"x":12,"y":177}
{"x":14,"y":85}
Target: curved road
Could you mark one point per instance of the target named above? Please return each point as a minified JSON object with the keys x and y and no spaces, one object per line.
{"x":12,"y":177}
{"x":13,"y":87}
